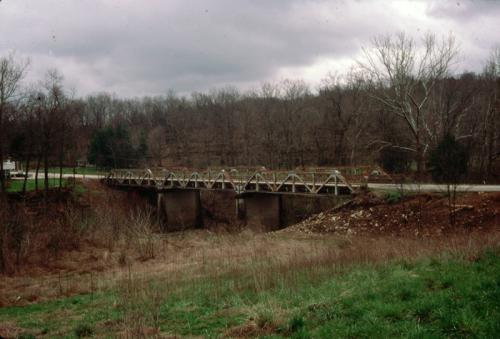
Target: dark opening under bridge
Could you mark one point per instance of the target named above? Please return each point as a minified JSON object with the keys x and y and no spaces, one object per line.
{"x":257,"y":192}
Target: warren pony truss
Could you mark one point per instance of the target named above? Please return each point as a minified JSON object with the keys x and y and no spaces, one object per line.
{"x":241,"y":181}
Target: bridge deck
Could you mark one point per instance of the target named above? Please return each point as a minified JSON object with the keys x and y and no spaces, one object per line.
{"x":319,"y":182}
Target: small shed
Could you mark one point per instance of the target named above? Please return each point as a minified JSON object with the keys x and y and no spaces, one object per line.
{"x":8,"y":167}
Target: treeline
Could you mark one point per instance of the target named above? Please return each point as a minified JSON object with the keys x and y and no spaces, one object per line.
{"x":392,"y":109}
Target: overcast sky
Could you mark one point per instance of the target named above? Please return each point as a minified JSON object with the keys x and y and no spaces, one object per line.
{"x":134,"y":48}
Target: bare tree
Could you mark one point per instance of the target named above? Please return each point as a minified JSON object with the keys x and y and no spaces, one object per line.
{"x":11,"y":74}
{"x":28,"y":129}
{"x":403,"y":77}
{"x":52,"y":102}
{"x":156,"y":143}
{"x":292,"y":115}
{"x":266,"y":121}
{"x":489,"y":135}
{"x":343,"y":122}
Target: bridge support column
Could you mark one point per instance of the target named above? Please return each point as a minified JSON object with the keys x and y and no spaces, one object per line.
{"x":179,"y":209}
{"x":161,"y":210}
{"x":263,"y":211}
{"x":240,"y":208}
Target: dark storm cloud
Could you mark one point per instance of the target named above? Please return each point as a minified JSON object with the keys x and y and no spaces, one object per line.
{"x":146,"y":47}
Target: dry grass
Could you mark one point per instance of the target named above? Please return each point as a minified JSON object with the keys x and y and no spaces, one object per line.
{"x":249,"y":263}
{"x":255,"y":261}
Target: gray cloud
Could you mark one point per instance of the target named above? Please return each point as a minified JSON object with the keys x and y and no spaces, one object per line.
{"x":468,"y":10}
{"x":147,"y":47}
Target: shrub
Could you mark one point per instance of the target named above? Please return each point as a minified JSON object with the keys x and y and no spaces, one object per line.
{"x":448,"y":161}
{"x":25,"y":336}
{"x":264,"y":318}
{"x":83,"y":330}
{"x":392,"y":197}
{"x":296,"y":323}
{"x":395,"y":160}
{"x":448,"y":165}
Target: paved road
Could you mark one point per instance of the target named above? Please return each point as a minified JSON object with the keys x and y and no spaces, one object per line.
{"x":435,"y":187}
{"x":56,"y":176}
{"x":405,"y":187}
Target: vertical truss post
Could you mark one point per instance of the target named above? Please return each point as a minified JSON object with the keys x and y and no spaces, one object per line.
{"x":241,"y":187}
{"x":293,"y":182}
{"x":223,"y":180}
{"x":237,"y":181}
{"x":336,"y":185}
{"x":314,"y":182}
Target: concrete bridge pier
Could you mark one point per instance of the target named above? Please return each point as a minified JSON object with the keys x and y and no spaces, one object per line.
{"x":179,"y":209}
{"x":161,"y":210}
{"x":262,"y":211}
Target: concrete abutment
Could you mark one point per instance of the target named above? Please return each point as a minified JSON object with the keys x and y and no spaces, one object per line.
{"x":262,"y":211}
{"x":179,"y":209}
{"x":182,"y":209}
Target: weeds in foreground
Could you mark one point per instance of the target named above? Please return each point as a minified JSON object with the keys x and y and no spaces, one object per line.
{"x":83,"y":330}
{"x":447,"y":295}
{"x":204,"y":284}
{"x":32,"y":236}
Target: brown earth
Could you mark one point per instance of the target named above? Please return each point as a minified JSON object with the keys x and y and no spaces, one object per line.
{"x":417,"y":215}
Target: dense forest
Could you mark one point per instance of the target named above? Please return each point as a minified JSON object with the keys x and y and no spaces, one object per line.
{"x":391,"y":109}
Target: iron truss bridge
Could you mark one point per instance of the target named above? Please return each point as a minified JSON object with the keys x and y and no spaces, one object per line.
{"x":241,"y":181}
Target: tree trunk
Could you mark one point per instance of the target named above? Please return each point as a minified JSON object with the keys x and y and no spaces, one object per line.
{"x":61,"y":158}
{"x":37,"y":170}
{"x":2,"y":177}
{"x":419,"y":159}
{"x":46,"y":173}
{"x":60,"y":173}
{"x":27,"y":164}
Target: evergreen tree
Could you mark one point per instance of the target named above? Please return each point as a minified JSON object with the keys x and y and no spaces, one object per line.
{"x":395,"y":160}
{"x":111,"y":148}
{"x":100,"y":152}
{"x":448,"y":165}
{"x":448,"y":161}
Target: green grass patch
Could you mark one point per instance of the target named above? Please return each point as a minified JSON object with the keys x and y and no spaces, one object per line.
{"x":393,"y":197}
{"x":433,"y":298}
{"x":17,"y":185}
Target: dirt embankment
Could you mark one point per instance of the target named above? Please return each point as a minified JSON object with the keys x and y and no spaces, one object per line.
{"x":418,"y":215}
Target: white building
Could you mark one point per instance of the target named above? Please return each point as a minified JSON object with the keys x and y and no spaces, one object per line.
{"x":8,"y":167}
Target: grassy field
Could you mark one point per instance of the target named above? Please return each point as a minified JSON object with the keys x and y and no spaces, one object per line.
{"x":17,"y":185}
{"x":440,"y":296}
